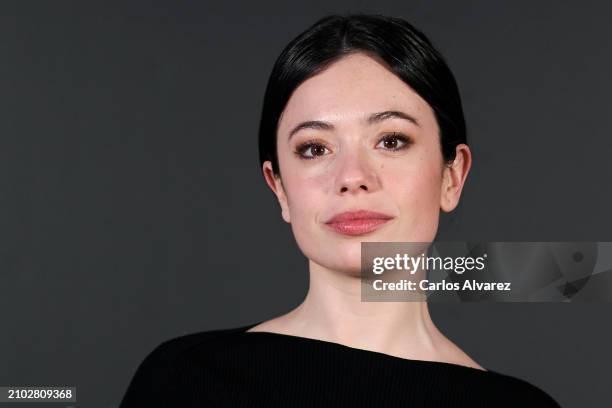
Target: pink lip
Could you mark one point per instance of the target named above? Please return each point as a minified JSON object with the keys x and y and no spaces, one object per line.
{"x":357,"y":222}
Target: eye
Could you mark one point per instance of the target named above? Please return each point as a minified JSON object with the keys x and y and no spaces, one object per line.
{"x":395,"y":141}
{"x":315,"y":149}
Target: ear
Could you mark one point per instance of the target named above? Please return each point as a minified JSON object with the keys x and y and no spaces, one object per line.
{"x":453,"y":178}
{"x":276,"y":185}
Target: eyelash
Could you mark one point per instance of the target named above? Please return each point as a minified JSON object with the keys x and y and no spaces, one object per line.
{"x":302,"y":148}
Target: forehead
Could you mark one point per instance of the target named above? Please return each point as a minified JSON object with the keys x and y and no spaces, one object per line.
{"x":350,"y":89}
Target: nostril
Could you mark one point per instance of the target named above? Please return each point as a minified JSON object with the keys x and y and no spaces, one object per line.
{"x":363,"y":187}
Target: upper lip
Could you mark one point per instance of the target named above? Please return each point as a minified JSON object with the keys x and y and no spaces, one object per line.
{"x":358,"y":215}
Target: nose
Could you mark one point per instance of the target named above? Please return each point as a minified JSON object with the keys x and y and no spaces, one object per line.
{"x":355,"y":174}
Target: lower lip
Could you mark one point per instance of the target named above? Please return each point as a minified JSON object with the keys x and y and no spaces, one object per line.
{"x":357,"y":227}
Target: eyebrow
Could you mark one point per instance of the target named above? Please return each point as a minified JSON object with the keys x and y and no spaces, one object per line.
{"x":373,"y":118}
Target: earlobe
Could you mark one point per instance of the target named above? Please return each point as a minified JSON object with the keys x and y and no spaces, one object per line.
{"x":276,"y":185}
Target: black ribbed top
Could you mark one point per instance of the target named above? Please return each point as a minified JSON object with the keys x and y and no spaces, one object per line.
{"x":235,"y":368}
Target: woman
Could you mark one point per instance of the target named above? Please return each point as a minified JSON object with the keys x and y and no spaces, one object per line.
{"x":362,"y":138}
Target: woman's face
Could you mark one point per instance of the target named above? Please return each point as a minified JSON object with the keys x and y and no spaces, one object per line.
{"x":339,"y":151}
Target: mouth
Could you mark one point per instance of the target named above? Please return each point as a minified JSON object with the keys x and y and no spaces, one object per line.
{"x":357,"y":222}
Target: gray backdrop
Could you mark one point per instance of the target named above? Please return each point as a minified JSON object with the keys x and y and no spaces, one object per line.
{"x":133,"y":206}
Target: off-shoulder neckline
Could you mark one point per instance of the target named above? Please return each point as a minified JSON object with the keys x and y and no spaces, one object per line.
{"x":309,"y":340}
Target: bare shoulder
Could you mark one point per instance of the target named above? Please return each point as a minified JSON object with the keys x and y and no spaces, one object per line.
{"x":279,"y":324}
{"x":449,"y":352}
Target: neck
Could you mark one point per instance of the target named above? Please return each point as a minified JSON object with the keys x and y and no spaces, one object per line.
{"x":333,"y":311}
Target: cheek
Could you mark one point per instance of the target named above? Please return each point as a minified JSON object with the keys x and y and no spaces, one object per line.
{"x":306,"y":198}
{"x":414,"y":187}
{"x":417,"y":181}
{"x":304,"y":195}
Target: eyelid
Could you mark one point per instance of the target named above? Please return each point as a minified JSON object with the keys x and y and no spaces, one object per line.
{"x":301,"y":148}
{"x":406,"y":140}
